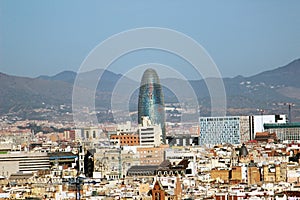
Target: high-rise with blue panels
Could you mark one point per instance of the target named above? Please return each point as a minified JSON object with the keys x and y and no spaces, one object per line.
{"x":218,"y":130}
{"x":151,"y":101}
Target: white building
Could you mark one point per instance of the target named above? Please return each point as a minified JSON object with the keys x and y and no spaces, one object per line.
{"x":257,"y":122}
{"x":150,"y":135}
{"x":125,"y":128}
{"x":24,"y":162}
{"x":234,"y":129}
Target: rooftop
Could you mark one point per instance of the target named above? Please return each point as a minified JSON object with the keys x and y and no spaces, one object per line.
{"x":283,"y":125}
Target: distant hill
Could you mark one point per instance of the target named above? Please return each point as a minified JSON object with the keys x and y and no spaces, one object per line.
{"x":108,"y":79}
{"x":287,"y":76}
{"x":66,"y":76}
{"x":268,"y":90}
{"x":19,"y":94}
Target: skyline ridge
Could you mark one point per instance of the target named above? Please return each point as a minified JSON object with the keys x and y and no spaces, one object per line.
{"x":45,"y":76}
{"x":242,"y":97}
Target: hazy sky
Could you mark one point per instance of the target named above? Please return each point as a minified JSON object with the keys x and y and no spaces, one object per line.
{"x":242,"y":37}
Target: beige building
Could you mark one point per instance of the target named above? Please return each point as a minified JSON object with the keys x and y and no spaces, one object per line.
{"x":244,"y":129}
{"x":253,"y":174}
{"x":221,"y":175}
{"x":274,"y":172}
{"x":293,"y":174}
{"x":25,"y":162}
{"x":152,"y":155}
{"x":112,"y":163}
{"x":236,"y":174}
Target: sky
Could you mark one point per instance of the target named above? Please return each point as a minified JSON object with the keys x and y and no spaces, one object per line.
{"x":242,"y":37}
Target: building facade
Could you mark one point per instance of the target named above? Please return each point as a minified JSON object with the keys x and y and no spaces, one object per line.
{"x":88,"y":134}
{"x":217,"y":130}
{"x":285,"y":132}
{"x":176,"y":155}
{"x":149,"y":135}
{"x":125,"y":139}
{"x":183,"y":140}
{"x":23,"y":162}
{"x":234,"y":129}
{"x":151,"y":155}
{"x":151,"y":101}
{"x":256,"y":122}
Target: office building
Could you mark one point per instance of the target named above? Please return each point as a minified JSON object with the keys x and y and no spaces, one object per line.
{"x":125,"y":139}
{"x":217,"y":130}
{"x":284,"y":131}
{"x":151,"y":155}
{"x":150,"y":135}
{"x":234,"y":129}
{"x":24,"y":162}
{"x":256,"y":122}
{"x":151,"y":101}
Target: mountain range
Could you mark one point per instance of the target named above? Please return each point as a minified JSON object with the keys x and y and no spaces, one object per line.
{"x":270,"y":90}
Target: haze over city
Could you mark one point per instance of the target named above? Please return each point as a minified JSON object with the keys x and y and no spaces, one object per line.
{"x":150,"y":100}
{"x":242,"y":37}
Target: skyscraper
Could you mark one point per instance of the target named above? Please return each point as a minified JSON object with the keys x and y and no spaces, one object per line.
{"x":151,"y":101}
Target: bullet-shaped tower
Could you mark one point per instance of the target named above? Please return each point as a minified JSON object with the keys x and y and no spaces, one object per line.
{"x":151,"y":101}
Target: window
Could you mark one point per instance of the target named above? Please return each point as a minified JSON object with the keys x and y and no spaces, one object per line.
{"x":188,"y":171}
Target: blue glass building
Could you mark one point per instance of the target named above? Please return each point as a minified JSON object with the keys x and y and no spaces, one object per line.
{"x":218,"y":130}
{"x":151,"y":101}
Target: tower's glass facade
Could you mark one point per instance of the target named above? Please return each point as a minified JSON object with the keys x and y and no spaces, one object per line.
{"x":218,"y":130}
{"x":151,"y":100}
